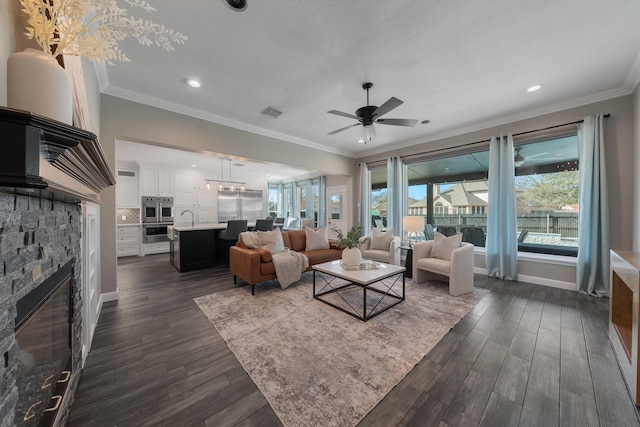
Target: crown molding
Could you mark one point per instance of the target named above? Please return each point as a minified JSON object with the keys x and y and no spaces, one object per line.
{"x":102,"y":75}
{"x":537,"y":112}
{"x":199,"y":114}
{"x":633,"y":76}
{"x":631,"y":82}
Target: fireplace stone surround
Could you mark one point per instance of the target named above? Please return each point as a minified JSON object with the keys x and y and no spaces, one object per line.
{"x":47,"y":170}
{"x":38,"y":235}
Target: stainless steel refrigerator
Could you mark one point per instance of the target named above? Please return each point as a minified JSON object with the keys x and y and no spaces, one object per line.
{"x":240,"y":205}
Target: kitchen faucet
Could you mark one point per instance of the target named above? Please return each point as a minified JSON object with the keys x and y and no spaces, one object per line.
{"x":192,"y":216}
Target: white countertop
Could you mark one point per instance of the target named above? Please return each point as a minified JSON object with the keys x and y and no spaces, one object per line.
{"x":197,"y":227}
{"x":220,"y":226}
{"x":128,"y":225}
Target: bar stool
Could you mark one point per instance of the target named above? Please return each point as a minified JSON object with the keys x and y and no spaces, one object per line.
{"x":264,"y":224}
{"x":229,"y":236}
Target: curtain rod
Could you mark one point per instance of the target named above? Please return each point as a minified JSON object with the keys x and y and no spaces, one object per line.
{"x":469,"y":144}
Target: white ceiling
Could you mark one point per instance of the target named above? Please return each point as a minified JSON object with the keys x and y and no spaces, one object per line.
{"x":462,"y":65}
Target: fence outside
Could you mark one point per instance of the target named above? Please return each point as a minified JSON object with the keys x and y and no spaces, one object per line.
{"x":563,"y":223}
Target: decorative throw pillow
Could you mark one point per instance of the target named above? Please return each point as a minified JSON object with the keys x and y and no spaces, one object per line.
{"x":443,"y":246}
{"x":381,"y":240}
{"x":271,"y":240}
{"x":250,"y":239}
{"x":317,"y":239}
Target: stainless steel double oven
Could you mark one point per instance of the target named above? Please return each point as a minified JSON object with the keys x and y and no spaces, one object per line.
{"x":157,"y":214}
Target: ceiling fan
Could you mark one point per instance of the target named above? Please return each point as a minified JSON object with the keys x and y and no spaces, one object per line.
{"x":370,"y":114}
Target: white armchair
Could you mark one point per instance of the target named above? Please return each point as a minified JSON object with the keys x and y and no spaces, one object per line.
{"x":459,"y":269}
{"x":389,"y":255}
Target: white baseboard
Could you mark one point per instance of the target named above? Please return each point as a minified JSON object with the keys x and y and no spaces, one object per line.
{"x":570,"y":286}
{"x":108,"y":296}
{"x":105,"y":297}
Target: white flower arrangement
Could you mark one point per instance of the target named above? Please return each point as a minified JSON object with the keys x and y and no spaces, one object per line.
{"x":93,"y":28}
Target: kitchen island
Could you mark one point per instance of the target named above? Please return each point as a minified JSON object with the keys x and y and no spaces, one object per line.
{"x":195,"y":247}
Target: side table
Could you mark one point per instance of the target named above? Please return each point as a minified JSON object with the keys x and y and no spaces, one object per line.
{"x":408,"y":262}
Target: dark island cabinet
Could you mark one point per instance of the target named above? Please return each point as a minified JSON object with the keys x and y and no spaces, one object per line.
{"x":193,"y":249}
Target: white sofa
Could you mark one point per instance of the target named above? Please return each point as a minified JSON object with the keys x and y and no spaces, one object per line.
{"x":459,"y":269}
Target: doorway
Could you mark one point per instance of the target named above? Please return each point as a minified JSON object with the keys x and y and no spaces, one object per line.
{"x":338,"y":209}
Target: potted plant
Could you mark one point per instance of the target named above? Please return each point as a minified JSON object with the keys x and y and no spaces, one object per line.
{"x":89,"y":28}
{"x":351,"y":255}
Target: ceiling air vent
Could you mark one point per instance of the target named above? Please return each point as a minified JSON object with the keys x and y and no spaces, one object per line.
{"x":270,"y":111}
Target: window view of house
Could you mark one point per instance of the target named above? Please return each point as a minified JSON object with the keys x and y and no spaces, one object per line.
{"x":452,"y":194}
{"x":379,"y":196}
{"x":272,"y":200}
{"x":301,"y":198}
{"x":301,"y":202}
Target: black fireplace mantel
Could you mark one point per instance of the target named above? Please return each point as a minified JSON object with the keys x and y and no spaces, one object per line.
{"x":41,"y":153}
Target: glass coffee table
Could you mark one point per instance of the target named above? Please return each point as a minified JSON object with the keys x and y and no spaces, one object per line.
{"x":361,"y":292}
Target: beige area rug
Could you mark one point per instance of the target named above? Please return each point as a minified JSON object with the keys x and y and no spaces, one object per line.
{"x":319,"y":366}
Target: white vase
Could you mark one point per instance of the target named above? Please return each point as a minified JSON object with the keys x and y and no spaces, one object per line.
{"x":351,"y":256}
{"x":37,"y":83}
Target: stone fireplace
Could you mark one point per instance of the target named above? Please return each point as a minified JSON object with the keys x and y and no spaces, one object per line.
{"x":47,"y":169}
{"x":38,"y":237}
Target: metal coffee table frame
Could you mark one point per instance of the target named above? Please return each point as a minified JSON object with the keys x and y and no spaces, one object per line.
{"x":331,"y":271}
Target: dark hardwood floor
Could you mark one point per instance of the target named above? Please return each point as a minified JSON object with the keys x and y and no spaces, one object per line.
{"x":526,"y":355}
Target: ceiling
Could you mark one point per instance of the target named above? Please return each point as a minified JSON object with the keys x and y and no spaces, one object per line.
{"x":461,"y":65}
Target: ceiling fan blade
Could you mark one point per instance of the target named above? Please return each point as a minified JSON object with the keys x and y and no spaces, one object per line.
{"x":340,"y":113}
{"x":344,"y":128}
{"x":397,"y":122}
{"x":391,"y":103}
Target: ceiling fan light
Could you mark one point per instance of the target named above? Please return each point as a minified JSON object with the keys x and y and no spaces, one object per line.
{"x":368,"y":133}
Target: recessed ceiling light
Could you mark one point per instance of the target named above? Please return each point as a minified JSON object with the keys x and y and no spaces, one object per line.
{"x":193,"y":83}
{"x":194,"y":166}
{"x":237,"y":5}
{"x":361,"y":141}
{"x":534,"y":88}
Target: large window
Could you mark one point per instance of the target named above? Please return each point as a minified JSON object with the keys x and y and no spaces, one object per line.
{"x":272,"y":200}
{"x":452,"y":194}
{"x":547,"y":185}
{"x":379,"y":196}
{"x":288,"y":201}
{"x":300,"y":199}
{"x":315,"y":190}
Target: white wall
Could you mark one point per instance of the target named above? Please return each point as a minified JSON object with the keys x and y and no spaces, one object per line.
{"x":8,"y":29}
{"x":636,"y":170}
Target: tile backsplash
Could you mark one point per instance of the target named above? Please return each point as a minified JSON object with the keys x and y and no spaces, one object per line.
{"x":131,"y":216}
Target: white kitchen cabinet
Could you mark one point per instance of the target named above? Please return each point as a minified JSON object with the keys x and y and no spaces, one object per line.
{"x":206,"y":198}
{"x":207,"y":215}
{"x":184,"y":198}
{"x":186,"y":180}
{"x":127,"y":240}
{"x":157,"y":182}
{"x":156,"y":248}
{"x":127,"y":195}
{"x":192,"y":193}
{"x":186,"y":187}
